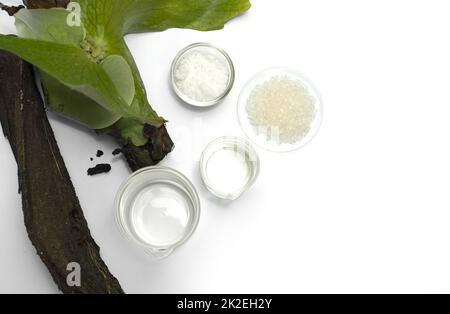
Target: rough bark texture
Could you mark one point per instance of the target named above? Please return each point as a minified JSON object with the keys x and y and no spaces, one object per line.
{"x":11,"y":10}
{"x":53,"y":216}
{"x":159,"y":145}
{"x":45,"y":4}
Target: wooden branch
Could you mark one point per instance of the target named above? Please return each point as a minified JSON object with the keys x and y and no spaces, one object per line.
{"x":11,"y":10}
{"x":45,"y":4}
{"x":53,"y":216}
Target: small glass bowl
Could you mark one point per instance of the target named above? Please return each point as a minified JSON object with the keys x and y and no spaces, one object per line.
{"x":260,"y":139}
{"x":211,"y":49}
{"x":229,"y":166}
{"x":157,"y":209}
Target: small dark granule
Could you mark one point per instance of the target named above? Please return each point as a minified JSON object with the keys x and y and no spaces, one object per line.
{"x":92,"y":159}
{"x":101,"y":168}
{"x":100,"y":153}
{"x":117,"y":151}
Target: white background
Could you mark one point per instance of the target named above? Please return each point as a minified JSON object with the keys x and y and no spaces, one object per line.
{"x":365,"y":207}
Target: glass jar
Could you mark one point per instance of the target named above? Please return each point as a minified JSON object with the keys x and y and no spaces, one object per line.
{"x":157,"y":209}
{"x":209,"y":52}
{"x":229,"y":166}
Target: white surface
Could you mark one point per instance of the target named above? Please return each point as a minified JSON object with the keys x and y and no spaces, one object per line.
{"x":363,"y":208}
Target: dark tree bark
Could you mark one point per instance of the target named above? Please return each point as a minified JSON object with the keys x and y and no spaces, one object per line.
{"x":45,"y":4}
{"x":53,"y":216}
{"x":11,"y":10}
{"x":158,"y":146}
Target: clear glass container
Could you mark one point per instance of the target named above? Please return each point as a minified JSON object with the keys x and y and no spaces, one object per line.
{"x":229,"y":166}
{"x":207,"y":49}
{"x":261,"y":139}
{"x":157,"y":209}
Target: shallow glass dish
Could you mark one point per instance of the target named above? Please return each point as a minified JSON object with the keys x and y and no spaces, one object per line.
{"x":229,"y":166}
{"x":157,"y":209}
{"x":211,"y":50}
{"x":261,"y":139}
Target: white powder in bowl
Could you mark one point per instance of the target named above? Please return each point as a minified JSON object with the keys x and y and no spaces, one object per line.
{"x":202,"y":74}
{"x":282,"y":109}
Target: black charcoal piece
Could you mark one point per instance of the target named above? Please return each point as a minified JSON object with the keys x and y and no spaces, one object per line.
{"x":117,"y":151}
{"x":99,"y":169}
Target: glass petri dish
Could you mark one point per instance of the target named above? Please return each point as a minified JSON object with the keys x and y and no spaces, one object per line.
{"x":229,"y":166}
{"x":209,"y":51}
{"x":157,"y":209}
{"x":261,"y":139}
